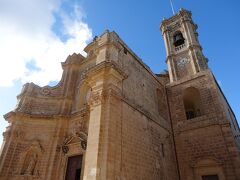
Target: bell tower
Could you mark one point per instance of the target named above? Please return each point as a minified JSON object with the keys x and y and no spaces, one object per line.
{"x":205,"y":129}
{"x":184,"y":52}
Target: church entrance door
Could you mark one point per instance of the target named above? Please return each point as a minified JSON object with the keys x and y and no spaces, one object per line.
{"x":210,"y":177}
{"x":74,"y":168}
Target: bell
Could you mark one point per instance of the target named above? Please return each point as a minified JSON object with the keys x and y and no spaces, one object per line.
{"x":178,"y":39}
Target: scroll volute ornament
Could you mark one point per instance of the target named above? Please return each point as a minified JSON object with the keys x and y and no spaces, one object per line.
{"x":79,"y":137}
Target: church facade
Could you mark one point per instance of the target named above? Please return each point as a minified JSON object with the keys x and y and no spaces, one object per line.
{"x":111,"y":118}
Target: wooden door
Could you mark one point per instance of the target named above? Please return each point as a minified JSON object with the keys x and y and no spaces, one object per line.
{"x":210,"y":177}
{"x":74,"y":166}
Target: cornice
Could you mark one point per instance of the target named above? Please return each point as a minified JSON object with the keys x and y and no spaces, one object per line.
{"x":180,"y":15}
{"x":189,"y":78}
{"x":103,"y":66}
{"x":14,"y":115}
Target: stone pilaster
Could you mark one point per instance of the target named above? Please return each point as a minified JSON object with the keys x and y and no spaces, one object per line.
{"x":103,"y":80}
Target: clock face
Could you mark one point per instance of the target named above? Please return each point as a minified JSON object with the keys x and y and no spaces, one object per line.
{"x":182,"y":62}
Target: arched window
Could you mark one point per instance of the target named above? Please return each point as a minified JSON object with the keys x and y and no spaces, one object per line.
{"x":178,"y":39}
{"x":192,"y":104}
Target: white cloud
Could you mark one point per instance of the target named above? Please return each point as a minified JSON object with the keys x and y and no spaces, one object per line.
{"x":26,"y":37}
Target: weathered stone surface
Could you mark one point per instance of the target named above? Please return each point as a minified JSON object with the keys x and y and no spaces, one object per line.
{"x":126,"y":122}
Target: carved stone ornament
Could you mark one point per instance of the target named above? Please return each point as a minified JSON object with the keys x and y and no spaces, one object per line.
{"x":78,"y":126}
{"x":65,"y":149}
{"x":30,"y":164}
{"x":96,"y":98}
{"x":175,"y":26}
{"x":7,"y":133}
{"x":26,"y":107}
{"x":30,"y":159}
{"x":46,"y":91}
{"x":18,"y":134}
{"x":80,"y":138}
{"x":182,"y":62}
{"x":199,"y":55}
{"x":88,"y":96}
{"x":84,"y":145}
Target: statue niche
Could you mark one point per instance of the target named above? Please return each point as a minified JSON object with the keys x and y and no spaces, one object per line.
{"x":29,"y":160}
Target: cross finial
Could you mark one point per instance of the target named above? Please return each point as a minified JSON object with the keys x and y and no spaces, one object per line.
{"x":173,"y":11}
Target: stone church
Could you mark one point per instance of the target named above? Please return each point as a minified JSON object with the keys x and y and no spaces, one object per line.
{"x":111,"y":118}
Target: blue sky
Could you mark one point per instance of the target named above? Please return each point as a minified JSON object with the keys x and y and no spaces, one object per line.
{"x":36,"y":35}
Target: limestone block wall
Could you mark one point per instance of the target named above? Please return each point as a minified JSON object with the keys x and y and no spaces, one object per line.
{"x":147,"y":148}
{"x":205,"y":137}
{"x":142,"y":87}
{"x":230,"y":116}
{"x":205,"y":144}
{"x":28,"y":148}
{"x":130,"y":144}
{"x":50,"y":140}
{"x":129,"y":130}
{"x":135,"y":132}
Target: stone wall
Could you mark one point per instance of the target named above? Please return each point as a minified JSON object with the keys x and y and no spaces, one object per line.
{"x":124,"y":120}
{"x":204,"y":137}
{"x":147,"y":148}
{"x":28,"y":148}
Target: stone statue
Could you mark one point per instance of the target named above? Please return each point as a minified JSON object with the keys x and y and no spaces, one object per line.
{"x":30,"y":164}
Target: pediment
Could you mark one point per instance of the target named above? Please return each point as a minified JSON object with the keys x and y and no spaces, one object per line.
{"x":77,"y":138}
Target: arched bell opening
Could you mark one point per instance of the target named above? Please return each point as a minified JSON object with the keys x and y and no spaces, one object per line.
{"x":192,"y":103}
{"x":178,"y":39}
